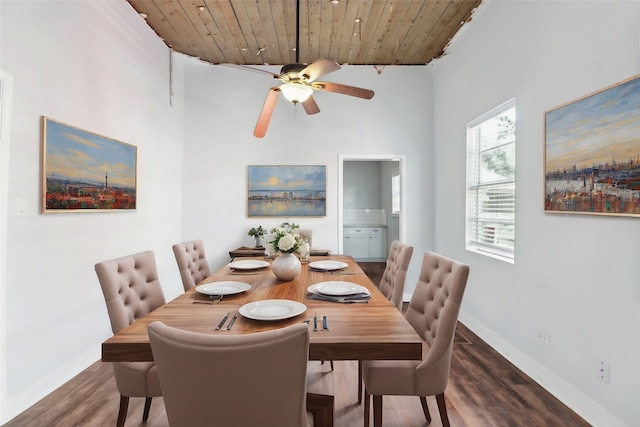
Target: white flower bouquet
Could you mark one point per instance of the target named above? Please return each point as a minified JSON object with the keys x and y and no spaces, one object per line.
{"x":287,"y":239}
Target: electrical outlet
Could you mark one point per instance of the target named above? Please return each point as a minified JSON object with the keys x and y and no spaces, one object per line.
{"x":543,"y":338}
{"x":603,"y":370}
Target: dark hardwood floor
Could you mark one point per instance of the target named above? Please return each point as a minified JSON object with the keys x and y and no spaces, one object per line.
{"x":484,"y":390}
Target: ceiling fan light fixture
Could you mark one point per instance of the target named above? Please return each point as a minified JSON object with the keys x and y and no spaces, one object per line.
{"x":296,"y":92}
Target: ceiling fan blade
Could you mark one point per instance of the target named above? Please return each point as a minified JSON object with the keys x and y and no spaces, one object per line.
{"x":318,"y":68}
{"x":265,"y":115}
{"x":344,"y":89}
{"x":310,"y":106}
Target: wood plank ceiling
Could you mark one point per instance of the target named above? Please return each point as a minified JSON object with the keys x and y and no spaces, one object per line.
{"x":357,"y":32}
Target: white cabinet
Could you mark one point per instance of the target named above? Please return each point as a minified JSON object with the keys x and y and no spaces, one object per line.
{"x":376,"y":247}
{"x":356,"y":242}
{"x":365,"y":243}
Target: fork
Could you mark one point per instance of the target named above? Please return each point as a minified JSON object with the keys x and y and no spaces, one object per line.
{"x":211,"y":300}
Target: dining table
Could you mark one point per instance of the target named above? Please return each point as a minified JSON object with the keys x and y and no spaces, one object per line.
{"x":339,"y":328}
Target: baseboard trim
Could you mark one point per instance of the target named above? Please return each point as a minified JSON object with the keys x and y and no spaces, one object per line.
{"x":591,"y":411}
{"x":20,"y":402}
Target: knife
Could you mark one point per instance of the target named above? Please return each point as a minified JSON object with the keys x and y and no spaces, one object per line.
{"x":224,"y":319}
{"x":325,"y":323}
{"x":233,"y":320}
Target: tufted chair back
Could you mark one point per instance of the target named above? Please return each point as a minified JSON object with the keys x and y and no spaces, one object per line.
{"x":192,"y":263}
{"x":131,"y":288}
{"x":307,"y":235}
{"x":433,"y":313}
{"x":395,"y":272}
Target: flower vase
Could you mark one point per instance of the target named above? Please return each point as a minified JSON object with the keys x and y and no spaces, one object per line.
{"x":286,"y":267}
{"x":258,"y":241}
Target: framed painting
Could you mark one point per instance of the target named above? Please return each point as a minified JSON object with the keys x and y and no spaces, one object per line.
{"x":592,"y":153}
{"x":86,"y":172}
{"x":287,"y":191}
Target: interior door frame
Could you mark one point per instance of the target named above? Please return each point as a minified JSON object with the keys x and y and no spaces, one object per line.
{"x":6,"y":96}
{"x":402,"y":163}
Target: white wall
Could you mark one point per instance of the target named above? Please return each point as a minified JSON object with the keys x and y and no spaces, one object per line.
{"x":362,"y":185}
{"x":97,"y":66}
{"x":221,"y":112}
{"x":575,"y":277}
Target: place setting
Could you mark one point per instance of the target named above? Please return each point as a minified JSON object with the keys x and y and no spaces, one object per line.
{"x":217,"y":290}
{"x":342,"y":292}
{"x":329,"y":267}
{"x":249,"y":266}
{"x":272,"y":309}
{"x":265,"y":310}
{"x":325,"y":323}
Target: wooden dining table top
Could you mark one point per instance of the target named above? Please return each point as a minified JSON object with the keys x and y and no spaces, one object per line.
{"x":357,"y":331}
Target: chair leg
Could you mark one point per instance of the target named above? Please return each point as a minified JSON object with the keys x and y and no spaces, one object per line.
{"x":425,"y":408}
{"x":367,"y":408}
{"x":147,"y":407}
{"x":331,"y":361}
{"x":122,"y":413}
{"x":442,"y":408}
{"x":377,"y":410}
{"x":359,"y":382}
{"x":321,"y":407}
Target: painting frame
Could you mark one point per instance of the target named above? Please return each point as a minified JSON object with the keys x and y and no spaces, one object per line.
{"x":286,"y":190}
{"x":592,"y":153}
{"x":83,"y":171}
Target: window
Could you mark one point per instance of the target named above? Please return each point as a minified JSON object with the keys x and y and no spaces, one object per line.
{"x":395,"y":194}
{"x":491,"y":187}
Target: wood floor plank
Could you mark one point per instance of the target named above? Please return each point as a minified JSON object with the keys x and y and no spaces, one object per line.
{"x":484,"y":390}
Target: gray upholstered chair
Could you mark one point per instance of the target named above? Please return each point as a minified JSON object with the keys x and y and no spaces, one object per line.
{"x":395,"y":272}
{"x":307,"y":235}
{"x":131,"y":290}
{"x":233,"y":380}
{"x":192,"y":263}
{"x":433,"y":313}
{"x":392,"y":284}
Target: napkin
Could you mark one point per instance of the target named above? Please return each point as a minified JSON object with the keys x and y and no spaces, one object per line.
{"x":359,"y":297}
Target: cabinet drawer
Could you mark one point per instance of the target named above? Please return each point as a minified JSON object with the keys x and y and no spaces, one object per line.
{"x":356,"y":231}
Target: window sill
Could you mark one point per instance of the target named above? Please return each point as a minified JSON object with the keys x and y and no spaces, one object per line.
{"x":509,"y":258}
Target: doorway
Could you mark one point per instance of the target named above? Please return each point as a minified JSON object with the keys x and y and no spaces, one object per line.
{"x":389,"y":165}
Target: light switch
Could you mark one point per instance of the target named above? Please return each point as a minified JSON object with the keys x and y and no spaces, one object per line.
{"x":22,"y":207}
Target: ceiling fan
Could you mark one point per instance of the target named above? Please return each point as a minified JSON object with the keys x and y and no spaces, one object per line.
{"x":299,"y":82}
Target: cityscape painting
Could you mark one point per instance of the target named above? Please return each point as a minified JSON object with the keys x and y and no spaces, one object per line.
{"x":287,"y":191}
{"x":86,"y":172}
{"x":592,"y":153}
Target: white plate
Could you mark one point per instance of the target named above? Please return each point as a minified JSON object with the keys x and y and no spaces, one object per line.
{"x":223,"y":288}
{"x":272,"y":309}
{"x":336,"y":288}
{"x":249,"y":264}
{"x":328,"y":265}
